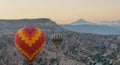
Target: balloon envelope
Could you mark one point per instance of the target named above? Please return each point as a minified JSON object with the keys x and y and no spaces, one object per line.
{"x":29,"y":41}
{"x":56,"y":38}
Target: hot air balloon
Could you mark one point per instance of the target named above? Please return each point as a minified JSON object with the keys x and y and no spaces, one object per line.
{"x":29,"y":40}
{"x":57,"y":38}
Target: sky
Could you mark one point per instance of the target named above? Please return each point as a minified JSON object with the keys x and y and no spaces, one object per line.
{"x":61,"y":11}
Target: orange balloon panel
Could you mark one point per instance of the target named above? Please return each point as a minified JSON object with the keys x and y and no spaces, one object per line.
{"x":29,"y":40}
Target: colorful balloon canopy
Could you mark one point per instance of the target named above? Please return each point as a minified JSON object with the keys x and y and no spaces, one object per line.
{"x":57,"y":38}
{"x":29,"y":41}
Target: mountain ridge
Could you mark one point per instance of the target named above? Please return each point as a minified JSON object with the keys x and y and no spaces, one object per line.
{"x":82,"y":26}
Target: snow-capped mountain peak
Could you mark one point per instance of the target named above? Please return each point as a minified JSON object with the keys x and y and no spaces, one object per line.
{"x":82,"y":22}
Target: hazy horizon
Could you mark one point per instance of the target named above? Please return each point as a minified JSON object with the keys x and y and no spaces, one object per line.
{"x":61,"y":11}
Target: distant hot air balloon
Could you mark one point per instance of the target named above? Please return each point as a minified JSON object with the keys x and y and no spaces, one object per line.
{"x":29,"y":40}
{"x":57,"y":38}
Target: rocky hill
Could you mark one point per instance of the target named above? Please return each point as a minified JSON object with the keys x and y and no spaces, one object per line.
{"x":76,"y":49}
